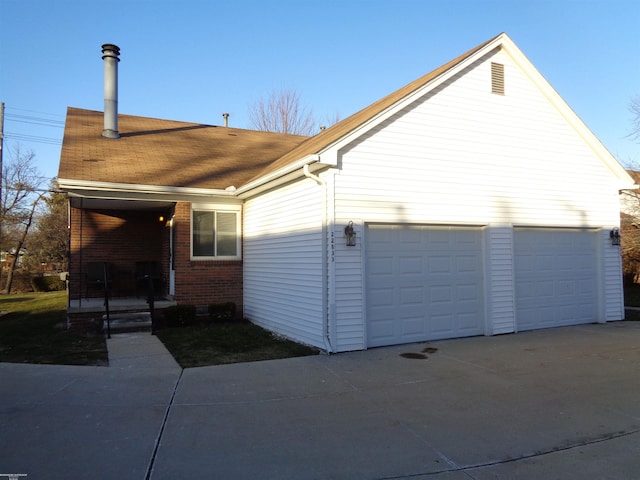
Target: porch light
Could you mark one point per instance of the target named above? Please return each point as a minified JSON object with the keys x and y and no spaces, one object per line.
{"x":350,"y":233}
{"x":614,"y":235}
{"x":161,"y":218}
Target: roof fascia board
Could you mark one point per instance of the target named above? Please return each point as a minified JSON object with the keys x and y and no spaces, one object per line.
{"x":410,"y":98}
{"x":80,"y":185}
{"x":115,"y":191}
{"x":103,"y":195}
{"x":290,"y":171}
{"x":520,"y":59}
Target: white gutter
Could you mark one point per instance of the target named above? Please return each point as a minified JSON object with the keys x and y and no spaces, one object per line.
{"x":110,"y":187}
{"x":325,"y":282}
{"x":275,"y":178}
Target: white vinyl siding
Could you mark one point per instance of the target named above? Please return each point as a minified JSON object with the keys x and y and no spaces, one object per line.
{"x":283,"y":272}
{"x":500,"y":304}
{"x":613,"y":288}
{"x":462,"y":155}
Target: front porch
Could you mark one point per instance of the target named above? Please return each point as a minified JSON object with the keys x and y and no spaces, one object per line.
{"x":117,"y":304}
{"x":134,"y":250}
{"x":122,"y":250}
{"x":125,"y":313}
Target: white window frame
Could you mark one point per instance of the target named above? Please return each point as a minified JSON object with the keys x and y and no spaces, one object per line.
{"x":217,"y":208}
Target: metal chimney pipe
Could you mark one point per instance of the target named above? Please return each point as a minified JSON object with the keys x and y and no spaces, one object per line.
{"x":110,"y":55}
{"x":226,"y":119}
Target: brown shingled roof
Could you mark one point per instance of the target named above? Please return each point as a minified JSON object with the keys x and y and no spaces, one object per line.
{"x":159,"y":152}
{"x":169,"y":153}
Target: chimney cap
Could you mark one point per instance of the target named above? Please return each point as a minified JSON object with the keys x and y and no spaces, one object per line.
{"x":110,"y":50}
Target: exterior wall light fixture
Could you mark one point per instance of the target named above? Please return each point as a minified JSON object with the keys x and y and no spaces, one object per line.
{"x":615,"y":236}
{"x":350,"y":233}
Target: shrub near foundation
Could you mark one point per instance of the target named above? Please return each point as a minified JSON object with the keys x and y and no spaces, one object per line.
{"x":222,"y":312}
{"x":180,"y":315}
{"x":47,"y":284}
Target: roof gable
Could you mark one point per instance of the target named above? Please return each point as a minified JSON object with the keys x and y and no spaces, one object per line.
{"x":337,"y":132}
{"x":356,"y":125}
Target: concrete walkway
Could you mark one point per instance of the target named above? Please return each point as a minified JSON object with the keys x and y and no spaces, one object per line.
{"x":561,"y":403}
{"x":139,"y":350}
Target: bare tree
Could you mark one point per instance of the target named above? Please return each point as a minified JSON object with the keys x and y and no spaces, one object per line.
{"x":49,"y":241}
{"x":21,"y":194}
{"x":630,"y":231}
{"x":282,"y":112}
{"x":634,"y":107}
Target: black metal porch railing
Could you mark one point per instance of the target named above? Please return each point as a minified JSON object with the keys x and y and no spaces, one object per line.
{"x":107,"y":283}
{"x":151,"y":300}
{"x":148,"y":281}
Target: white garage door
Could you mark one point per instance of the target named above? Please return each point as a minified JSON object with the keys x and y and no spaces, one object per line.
{"x":423,"y":283}
{"x":556,"y":277}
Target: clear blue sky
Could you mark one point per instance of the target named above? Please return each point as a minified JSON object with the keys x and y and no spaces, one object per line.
{"x":193,"y":60}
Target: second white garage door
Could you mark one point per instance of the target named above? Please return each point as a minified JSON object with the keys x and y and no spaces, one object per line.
{"x":556,"y":277}
{"x":423,"y":283}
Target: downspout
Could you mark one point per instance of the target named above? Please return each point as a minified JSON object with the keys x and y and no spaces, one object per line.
{"x":325,"y":282}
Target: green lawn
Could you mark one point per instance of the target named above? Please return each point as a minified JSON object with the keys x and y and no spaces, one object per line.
{"x":216,"y":344}
{"x":33,"y":332}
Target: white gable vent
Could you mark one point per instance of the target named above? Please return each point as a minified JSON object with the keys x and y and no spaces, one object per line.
{"x":497,"y":78}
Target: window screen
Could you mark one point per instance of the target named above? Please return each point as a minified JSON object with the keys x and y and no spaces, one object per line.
{"x":215,"y":234}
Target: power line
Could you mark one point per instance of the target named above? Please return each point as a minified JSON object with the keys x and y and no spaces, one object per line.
{"x":35,"y":120}
{"x":35,"y":111}
{"x":32,"y":138}
{"x":34,"y":117}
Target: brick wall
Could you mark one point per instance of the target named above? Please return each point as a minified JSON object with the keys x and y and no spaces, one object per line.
{"x":201,"y":282}
{"x":121,"y":238}
{"x":124,"y":237}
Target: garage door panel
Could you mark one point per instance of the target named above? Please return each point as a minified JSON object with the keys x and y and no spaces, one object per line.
{"x":383,"y":330}
{"x":436,"y":276}
{"x":381,"y":297}
{"x":468,"y":292}
{"x":442,"y":325}
{"x":412,"y":326}
{"x":467,"y":263}
{"x":380,"y":266}
{"x":412,"y":296}
{"x":410,"y":265}
{"x":468,"y":322}
{"x":555,"y":276}
{"x":438,"y":264}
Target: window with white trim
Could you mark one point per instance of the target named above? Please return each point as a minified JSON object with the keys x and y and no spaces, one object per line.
{"x":215,"y":232}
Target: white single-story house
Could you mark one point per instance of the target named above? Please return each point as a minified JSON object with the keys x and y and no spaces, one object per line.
{"x":472,"y":201}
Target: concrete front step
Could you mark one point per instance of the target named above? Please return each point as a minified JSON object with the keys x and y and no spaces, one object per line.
{"x":133,"y":321}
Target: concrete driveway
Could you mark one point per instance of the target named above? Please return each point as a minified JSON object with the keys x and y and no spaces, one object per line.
{"x":561,"y":403}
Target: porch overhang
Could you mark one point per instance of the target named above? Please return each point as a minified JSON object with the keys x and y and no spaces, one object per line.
{"x":137,"y":197}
